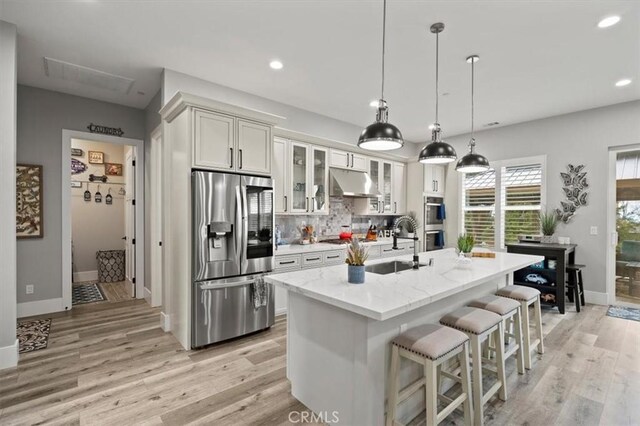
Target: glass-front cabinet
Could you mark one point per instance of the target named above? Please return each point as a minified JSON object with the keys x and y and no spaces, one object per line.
{"x":309,"y":178}
{"x":380,"y":172}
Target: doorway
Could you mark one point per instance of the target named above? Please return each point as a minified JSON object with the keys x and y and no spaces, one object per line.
{"x":627,"y":208}
{"x":102,"y":218}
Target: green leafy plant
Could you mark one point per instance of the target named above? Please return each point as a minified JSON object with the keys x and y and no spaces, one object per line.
{"x":357,"y":254}
{"x":466,"y":243}
{"x":548,"y":222}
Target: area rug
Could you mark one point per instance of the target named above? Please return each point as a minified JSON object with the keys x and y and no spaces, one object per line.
{"x":33,"y":335}
{"x":624,"y":312}
{"x":87,"y":293}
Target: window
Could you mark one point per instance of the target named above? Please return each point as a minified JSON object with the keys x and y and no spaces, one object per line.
{"x":504,"y":202}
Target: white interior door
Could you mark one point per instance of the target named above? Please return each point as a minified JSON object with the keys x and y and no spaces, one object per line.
{"x":130,"y":219}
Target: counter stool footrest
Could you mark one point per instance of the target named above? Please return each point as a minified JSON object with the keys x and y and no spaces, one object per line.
{"x":411,"y":389}
{"x":452,"y":406}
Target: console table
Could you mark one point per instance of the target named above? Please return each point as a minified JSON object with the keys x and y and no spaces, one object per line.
{"x":553,"y":269}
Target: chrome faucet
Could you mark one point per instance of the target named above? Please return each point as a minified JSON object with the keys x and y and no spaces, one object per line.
{"x":414,"y":225}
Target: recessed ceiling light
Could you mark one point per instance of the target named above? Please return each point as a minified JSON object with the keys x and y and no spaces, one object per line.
{"x":276,"y":65}
{"x":623,"y":82}
{"x":609,"y":21}
{"x":374,"y":103}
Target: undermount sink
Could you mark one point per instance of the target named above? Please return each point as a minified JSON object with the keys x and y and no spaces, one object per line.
{"x":390,"y":267}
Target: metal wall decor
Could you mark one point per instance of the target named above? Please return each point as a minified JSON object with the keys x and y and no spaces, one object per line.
{"x":29,"y":204}
{"x":112,"y":131}
{"x":98,"y":196}
{"x":94,"y":178}
{"x":77,"y":152}
{"x":75,"y":184}
{"x":108,"y":199}
{"x":77,"y":167}
{"x":87,"y":194}
{"x":96,"y":157}
{"x":574,"y":186}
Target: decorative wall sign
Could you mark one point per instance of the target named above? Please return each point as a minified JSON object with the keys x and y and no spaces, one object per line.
{"x":98,"y":196}
{"x":113,"y":169}
{"x":29,"y":201}
{"x":94,"y":178}
{"x":77,"y":152}
{"x":96,"y":157}
{"x":574,"y":187}
{"x":76,"y":184}
{"x":108,"y":200}
{"x":96,"y":128}
{"x":77,"y":167}
{"x":87,"y":194}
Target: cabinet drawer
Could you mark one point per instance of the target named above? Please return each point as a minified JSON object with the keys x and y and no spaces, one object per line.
{"x":387,"y":250}
{"x":289,"y":263}
{"x":334,"y":257}
{"x":312,"y":260}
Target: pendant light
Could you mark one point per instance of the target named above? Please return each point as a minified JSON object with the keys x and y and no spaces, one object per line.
{"x":472,"y":162}
{"x":381,"y":135}
{"x":437,"y":152}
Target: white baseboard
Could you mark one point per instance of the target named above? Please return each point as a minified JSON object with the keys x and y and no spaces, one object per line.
{"x":595,"y":297}
{"x":165,"y":322}
{"x":9,"y":355}
{"x":281,"y":311}
{"x":39,"y":307}
{"x":79,"y":277}
{"x":147,"y":296}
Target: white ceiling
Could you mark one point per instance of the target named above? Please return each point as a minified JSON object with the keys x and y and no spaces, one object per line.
{"x":537,"y":59}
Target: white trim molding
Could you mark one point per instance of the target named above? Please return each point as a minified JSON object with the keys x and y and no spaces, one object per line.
{"x":165,"y":322}
{"x":79,"y":277}
{"x":40,"y":307}
{"x":147,"y":296}
{"x":595,"y":297}
{"x":9,"y":355}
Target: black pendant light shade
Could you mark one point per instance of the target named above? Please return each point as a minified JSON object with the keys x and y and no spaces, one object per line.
{"x":437,"y":152}
{"x":472,"y":162}
{"x":381,"y":135}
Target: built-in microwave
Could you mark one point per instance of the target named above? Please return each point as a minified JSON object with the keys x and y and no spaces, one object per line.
{"x":434,"y":213}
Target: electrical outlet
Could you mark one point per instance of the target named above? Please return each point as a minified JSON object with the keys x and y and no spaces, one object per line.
{"x":29,"y":289}
{"x":594,"y":230}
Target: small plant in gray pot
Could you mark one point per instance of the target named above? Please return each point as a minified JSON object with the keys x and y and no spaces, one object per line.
{"x":465,"y":245}
{"x":357,"y":254}
{"x":548,"y":225}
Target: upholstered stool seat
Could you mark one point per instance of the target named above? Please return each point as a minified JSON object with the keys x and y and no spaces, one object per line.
{"x":479,"y":324}
{"x":430,"y":345}
{"x":496,"y":304}
{"x":527,"y":296}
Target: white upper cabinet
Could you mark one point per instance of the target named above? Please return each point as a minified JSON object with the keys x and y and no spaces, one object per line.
{"x":381,"y":173}
{"x":214,"y":140}
{"x":434,"y":180}
{"x":347,"y":160}
{"x":254,"y":147}
{"x":280,"y":175}
{"x":399,"y":189}
{"x":226,"y":143}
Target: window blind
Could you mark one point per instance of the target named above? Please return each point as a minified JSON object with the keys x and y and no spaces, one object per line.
{"x":520,"y":196}
{"x":479,"y":206}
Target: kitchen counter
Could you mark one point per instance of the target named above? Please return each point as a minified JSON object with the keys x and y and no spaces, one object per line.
{"x":338,"y":334}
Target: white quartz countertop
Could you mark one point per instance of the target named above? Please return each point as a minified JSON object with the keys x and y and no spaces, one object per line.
{"x":290,"y":249}
{"x":385,"y":296}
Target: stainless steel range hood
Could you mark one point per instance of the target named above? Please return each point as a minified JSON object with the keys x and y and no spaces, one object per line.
{"x":349,"y":183}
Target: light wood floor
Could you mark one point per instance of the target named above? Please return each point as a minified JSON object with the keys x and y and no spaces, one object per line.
{"x":112,"y":364}
{"x":115,"y":292}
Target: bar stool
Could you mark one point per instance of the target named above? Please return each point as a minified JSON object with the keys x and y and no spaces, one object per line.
{"x":430,"y":345}
{"x":509,"y":310}
{"x":479,"y":324}
{"x":575,"y":286}
{"x":527,"y":296}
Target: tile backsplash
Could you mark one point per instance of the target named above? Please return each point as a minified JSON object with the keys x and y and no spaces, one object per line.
{"x":329,"y":226}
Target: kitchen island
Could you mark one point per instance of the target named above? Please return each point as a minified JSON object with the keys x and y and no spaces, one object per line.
{"x":338,"y":334}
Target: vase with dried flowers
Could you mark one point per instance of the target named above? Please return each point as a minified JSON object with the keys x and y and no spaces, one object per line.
{"x":357,"y":254}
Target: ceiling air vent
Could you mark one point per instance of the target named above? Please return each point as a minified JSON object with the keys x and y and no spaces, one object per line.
{"x":55,"y":68}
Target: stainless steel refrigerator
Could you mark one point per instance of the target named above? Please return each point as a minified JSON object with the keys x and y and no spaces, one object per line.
{"x":233,"y":247}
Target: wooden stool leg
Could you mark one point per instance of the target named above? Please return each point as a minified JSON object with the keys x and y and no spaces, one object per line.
{"x":476,"y":355}
{"x":571,"y":285}
{"x":526,"y":335}
{"x":538,"y":314}
{"x":466,"y":384}
{"x":392,"y":397}
{"x":431,"y":393}
{"x":500,"y":360}
{"x":518,"y":333}
{"x":576,"y":296}
{"x":581,"y":284}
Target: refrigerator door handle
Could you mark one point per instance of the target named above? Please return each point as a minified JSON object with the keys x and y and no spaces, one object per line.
{"x":245,"y":230}
{"x":213,"y":286}
{"x":239,"y":228}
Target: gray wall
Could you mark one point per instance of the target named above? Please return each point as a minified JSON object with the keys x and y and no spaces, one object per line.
{"x":152,"y":120}
{"x":578,"y":138}
{"x":297,"y":119}
{"x":42,"y":115}
{"x":8,"y":82}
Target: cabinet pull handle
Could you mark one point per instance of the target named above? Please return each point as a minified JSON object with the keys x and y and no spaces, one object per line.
{"x":313,"y":204}
{"x":351,"y":160}
{"x":285,"y":203}
{"x":347,"y":159}
{"x":387,"y":250}
{"x":395,"y":207}
{"x":231,"y":166}
{"x":312,"y":258}
{"x":333,"y":257}
{"x":240,"y":165}
{"x":289,"y":262}
{"x":307,"y":204}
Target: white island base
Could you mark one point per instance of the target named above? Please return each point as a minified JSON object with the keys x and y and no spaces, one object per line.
{"x":338,"y":349}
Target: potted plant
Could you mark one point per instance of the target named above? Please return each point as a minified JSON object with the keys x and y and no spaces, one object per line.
{"x":465,"y":244}
{"x":548,"y":224}
{"x":357,"y":254}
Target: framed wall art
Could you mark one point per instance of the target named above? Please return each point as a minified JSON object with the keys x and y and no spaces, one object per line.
{"x":96,"y":157}
{"x":77,"y":152}
{"x":29,"y":201}
{"x":113,"y":169}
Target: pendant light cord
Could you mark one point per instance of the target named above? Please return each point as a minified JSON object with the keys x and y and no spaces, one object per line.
{"x":384,"y":31}
{"x":473,"y":61}
{"x":437,"y":56}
